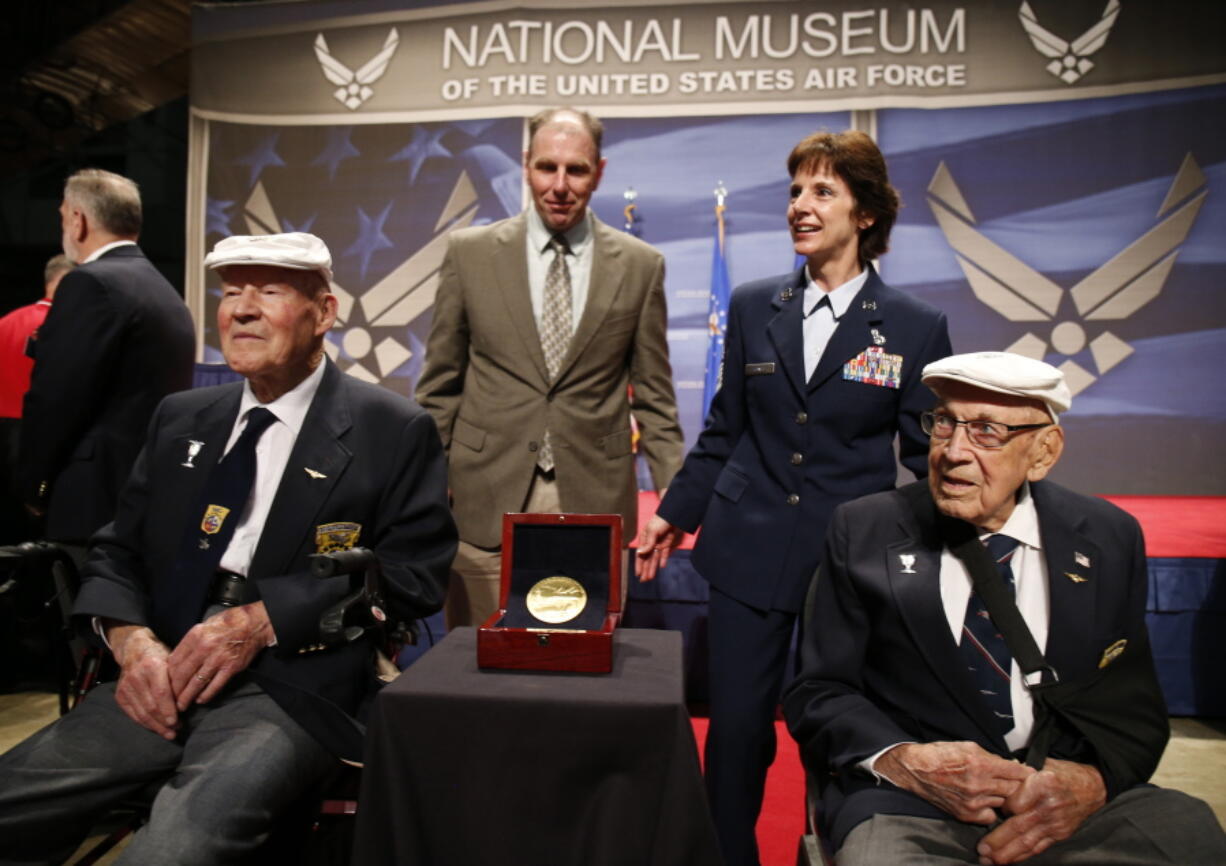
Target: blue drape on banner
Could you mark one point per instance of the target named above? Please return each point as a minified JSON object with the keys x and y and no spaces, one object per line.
{"x":717,"y":314}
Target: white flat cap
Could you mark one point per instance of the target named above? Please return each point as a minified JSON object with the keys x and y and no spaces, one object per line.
{"x":1005,"y":373}
{"x":297,"y":251}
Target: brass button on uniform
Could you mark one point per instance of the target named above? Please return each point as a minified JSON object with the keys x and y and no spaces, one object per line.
{"x":798,"y":458}
{"x":793,"y":499}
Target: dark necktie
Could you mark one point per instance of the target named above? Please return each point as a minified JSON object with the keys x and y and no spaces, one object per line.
{"x":212,"y":527}
{"x":556,"y":315}
{"x":983,"y":648}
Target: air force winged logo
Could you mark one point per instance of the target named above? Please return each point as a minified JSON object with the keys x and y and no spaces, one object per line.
{"x":372,"y":325}
{"x":353,"y":88}
{"x":1070,"y":60}
{"x":1116,"y":290}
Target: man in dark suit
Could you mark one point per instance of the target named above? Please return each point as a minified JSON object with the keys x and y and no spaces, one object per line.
{"x":913,"y":742}
{"x":540,"y":323}
{"x":117,"y":340}
{"x":820,"y":374}
{"x":203,"y":594}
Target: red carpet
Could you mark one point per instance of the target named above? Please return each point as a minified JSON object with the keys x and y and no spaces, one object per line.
{"x":783,"y":810}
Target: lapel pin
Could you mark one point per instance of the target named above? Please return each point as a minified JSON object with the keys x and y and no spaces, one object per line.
{"x":868,"y":305}
{"x":1112,"y":652}
{"x":314,"y":473}
{"x":785,"y":295}
{"x":193,"y":448}
{"x":878,"y":339}
{"x":908,"y":562}
{"x":1075,"y":578}
{"x":1081,"y":559}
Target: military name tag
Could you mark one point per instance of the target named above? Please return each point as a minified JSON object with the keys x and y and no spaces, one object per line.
{"x":874,"y":366}
{"x":763,"y":369}
{"x":556,"y":599}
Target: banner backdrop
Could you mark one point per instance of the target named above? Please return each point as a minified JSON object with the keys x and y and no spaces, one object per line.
{"x":1058,"y":163}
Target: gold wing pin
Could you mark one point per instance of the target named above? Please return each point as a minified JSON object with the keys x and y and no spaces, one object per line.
{"x":1075,"y":578}
{"x":313,"y":473}
{"x":1112,"y":652}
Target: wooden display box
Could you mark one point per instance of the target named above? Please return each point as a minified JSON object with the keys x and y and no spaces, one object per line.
{"x":527,"y":633}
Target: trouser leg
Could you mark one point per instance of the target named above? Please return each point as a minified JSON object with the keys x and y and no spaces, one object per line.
{"x":244,"y":762}
{"x":472,"y":591}
{"x":55,"y":784}
{"x":748,"y":653}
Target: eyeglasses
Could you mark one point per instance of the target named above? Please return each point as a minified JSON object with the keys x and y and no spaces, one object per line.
{"x":985,"y":434}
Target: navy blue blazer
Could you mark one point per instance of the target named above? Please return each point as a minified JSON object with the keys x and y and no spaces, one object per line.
{"x":117,"y":340}
{"x":375,"y":459}
{"x":779,"y":453}
{"x":880,"y":665}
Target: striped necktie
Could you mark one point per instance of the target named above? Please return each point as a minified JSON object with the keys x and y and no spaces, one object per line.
{"x":983,"y":647}
{"x":555,"y":327}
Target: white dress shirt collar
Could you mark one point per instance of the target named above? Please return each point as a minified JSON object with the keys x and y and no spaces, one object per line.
{"x":579,"y":236}
{"x":840,"y":297}
{"x":104,"y":249}
{"x":290,"y":408}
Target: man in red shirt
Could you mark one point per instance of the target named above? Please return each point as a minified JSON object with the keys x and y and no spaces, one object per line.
{"x":16,"y":330}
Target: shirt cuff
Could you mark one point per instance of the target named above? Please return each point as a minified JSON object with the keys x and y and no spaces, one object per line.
{"x":867,"y":765}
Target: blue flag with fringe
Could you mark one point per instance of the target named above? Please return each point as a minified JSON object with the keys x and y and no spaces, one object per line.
{"x":717,"y":314}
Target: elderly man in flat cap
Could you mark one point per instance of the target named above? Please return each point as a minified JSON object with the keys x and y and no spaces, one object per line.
{"x":201,"y":586}
{"x":912,"y":714}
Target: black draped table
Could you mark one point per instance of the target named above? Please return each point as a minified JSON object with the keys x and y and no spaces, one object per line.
{"x":465,"y":766}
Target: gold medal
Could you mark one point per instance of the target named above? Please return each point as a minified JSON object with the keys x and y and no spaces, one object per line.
{"x":557,"y":599}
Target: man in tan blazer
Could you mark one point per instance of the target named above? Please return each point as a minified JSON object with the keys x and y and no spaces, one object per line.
{"x":541,"y":322}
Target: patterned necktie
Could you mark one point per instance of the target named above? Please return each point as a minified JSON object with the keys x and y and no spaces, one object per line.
{"x":208,"y":535}
{"x":983,"y":647}
{"x":555,"y":327}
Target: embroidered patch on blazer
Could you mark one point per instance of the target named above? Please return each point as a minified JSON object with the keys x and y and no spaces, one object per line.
{"x":331,"y":537}
{"x":874,"y":366}
{"x":214,"y":517}
{"x":762,"y":369}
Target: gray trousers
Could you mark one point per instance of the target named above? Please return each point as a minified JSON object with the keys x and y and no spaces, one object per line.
{"x":237,"y":763}
{"x":1141,"y":827}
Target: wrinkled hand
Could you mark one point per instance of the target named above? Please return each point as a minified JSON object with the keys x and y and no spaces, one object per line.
{"x":1046,"y":809}
{"x":217,"y":649}
{"x":657,"y":540}
{"x":144,"y":691}
{"x":961,"y":778}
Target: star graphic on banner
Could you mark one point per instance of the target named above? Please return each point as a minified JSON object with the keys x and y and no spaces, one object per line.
{"x":263,"y":155}
{"x":370,"y":237}
{"x":424,"y":145}
{"x":304,"y":226}
{"x":217,"y":217}
{"x":338,"y":149}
